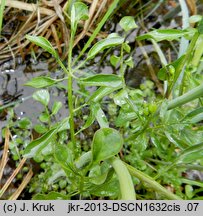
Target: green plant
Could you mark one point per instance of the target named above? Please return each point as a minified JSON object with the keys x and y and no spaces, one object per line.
{"x":150,"y":125}
{"x":100,"y":150}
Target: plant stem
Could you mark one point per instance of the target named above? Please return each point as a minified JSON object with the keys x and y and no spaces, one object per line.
{"x":122,"y":67}
{"x":153,"y":184}
{"x":70,"y":93}
{"x":187,"y":97}
{"x":71,"y":108}
{"x":125,"y":180}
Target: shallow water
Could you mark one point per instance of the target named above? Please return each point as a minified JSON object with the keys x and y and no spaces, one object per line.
{"x":13,"y":91}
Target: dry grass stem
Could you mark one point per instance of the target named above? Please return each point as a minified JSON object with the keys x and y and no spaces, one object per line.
{"x":45,"y":17}
{"x":5,"y":153}
{"x":10,"y":179}
{"x":24,"y":183}
{"x":28,"y":7}
{"x":192,"y":6}
{"x":56,"y":38}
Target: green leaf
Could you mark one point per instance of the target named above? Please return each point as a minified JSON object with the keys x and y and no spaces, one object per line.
{"x":190,"y":154}
{"x":42,"y":82}
{"x":62,"y":125}
{"x":114,"y":60}
{"x":101,"y":92}
{"x":189,"y":191}
{"x":95,"y":113}
{"x":130,"y":62}
{"x":113,"y":35}
{"x":73,"y":20}
{"x":39,"y":128}
{"x":81,"y":11}
{"x":109,"y":188}
{"x":193,"y":182}
{"x":36,"y":146}
{"x":64,"y":157}
{"x":104,"y":44}
{"x":125,"y":117}
{"x":142,"y":142}
{"x":84,"y":160}
{"x":44,"y":117}
{"x":194,"y":113}
{"x":167,"y":34}
{"x":57,"y":173}
{"x":126,"y":47}
{"x":195,"y":116}
{"x":89,"y":121}
{"x":200,"y":26}
{"x":156,"y":142}
{"x":108,"y":80}
{"x":48,"y":150}
{"x":163,"y":73}
{"x":128,"y":23}
{"x":42,"y":96}
{"x":98,"y":173}
{"x":107,"y":142}
{"x":174,"y":140}
{"x":56,"y":107}
{"x":24,"y":123}
{"x":43,"y":43}
{"x":51,"y":196}
{"x":120,"y":97}
{"x":170,"y":70}
{"x":100,"y":116}
{"x":163,"y":110}
{"x":195,"y":18}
